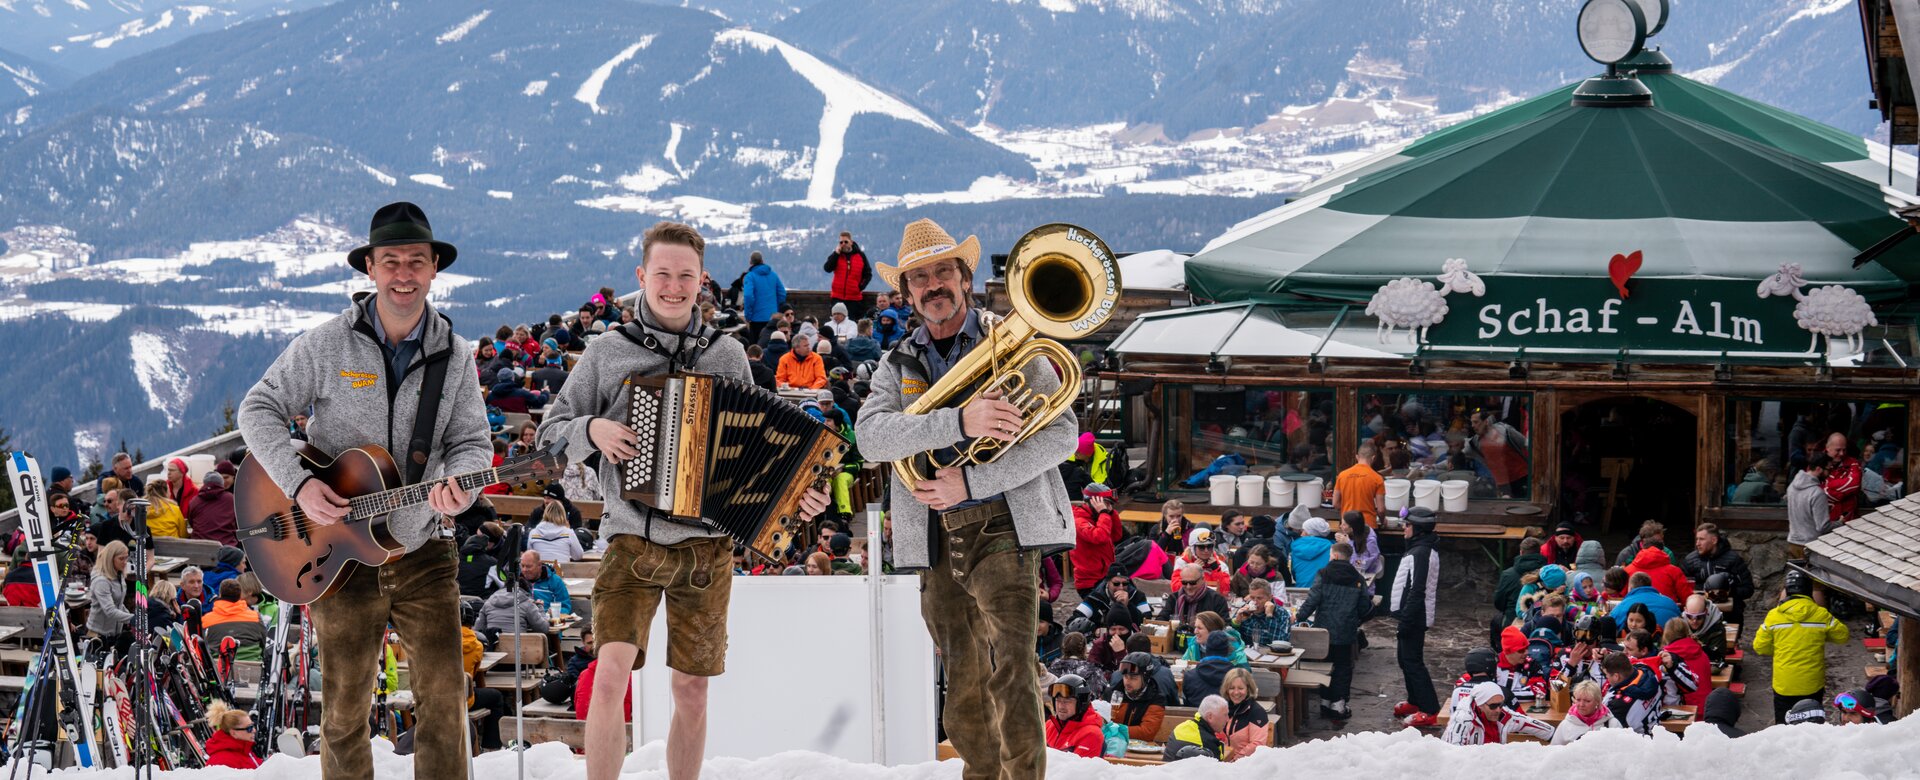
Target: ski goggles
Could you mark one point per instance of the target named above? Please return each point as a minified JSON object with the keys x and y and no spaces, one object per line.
{"x":1847,"y":702}
{"x":1061,"y":691}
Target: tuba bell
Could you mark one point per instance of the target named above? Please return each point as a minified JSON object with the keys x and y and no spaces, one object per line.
{"x":1063,"y":282}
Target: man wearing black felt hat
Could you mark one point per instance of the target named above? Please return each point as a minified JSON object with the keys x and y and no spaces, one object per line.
{"x":388,"y":371}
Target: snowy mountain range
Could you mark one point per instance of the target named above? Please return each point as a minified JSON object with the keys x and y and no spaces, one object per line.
{"x":203,"y":168}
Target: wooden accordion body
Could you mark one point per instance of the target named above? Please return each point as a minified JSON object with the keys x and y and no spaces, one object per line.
{"x":730,"y":452}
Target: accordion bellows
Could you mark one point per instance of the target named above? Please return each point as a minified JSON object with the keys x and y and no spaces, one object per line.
{"x":729,"y":452}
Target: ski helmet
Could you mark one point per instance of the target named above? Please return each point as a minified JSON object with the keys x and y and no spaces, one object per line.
{"x":1806,"y":711}
{"x":1717,"y":581}
{"x":1799,"y":584}
{"x":1070,"y":686}
{"x":1481,"y":661}
{"x":1144,"y":662}
{"x":555,"y":689}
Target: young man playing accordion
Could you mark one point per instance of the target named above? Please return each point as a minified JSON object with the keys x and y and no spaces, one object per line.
{"x":651,"y":557}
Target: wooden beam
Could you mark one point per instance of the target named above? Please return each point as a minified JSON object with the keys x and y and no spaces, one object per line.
{"x":1909,"y":672}
{"x":1545,"y":439}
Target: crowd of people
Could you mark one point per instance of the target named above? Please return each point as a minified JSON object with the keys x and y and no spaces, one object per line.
{"x":1603,"y":645}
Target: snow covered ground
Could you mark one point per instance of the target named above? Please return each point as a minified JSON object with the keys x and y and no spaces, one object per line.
{"x":1799,"y":752}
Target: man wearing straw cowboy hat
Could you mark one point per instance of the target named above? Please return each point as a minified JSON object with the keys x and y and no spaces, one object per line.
{"x":978,"y":531}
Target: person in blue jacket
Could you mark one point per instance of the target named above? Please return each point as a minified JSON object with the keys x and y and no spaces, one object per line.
{"x":1640,"y":590}
{"x":761,"y":294}
{"x":1310,"y":551}
{"x":544,"y":583}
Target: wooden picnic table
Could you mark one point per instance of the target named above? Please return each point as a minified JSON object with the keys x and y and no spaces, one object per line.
{"x":579,"y":587}
{"x":167,"y":564}
{"x":8,"y":632}
{"x":944,"y":751}
{"x":1552,"y":717}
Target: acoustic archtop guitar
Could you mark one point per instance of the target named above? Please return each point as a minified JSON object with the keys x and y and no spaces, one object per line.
{"x":299,"y":560}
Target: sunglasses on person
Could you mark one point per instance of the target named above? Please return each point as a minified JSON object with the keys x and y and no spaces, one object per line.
{"x":1185,"y":581}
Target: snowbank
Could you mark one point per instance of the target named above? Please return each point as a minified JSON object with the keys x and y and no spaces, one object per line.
{"x":1847,"y":752}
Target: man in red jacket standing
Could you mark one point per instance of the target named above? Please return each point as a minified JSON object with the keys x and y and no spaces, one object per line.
{"x":1097,"y":527}
{"x":851,"y":273}
{"x":1843,"y":481}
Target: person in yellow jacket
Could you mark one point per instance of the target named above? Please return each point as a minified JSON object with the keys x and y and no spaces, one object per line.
{"x":164,"y":517}
{"x":1796,"y":634}
{"x":1203,"y":735}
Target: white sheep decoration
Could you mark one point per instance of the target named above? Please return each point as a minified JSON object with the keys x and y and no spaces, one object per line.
{"x":1417,"y":305}
{"x":1832,"y":311}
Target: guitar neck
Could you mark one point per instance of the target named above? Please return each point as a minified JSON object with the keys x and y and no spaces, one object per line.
{"x":377,"y":504}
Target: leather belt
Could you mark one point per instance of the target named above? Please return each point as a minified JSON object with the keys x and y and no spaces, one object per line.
{"x":961,"y":518}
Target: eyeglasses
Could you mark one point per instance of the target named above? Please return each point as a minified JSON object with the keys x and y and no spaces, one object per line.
{"x":945,"y":273}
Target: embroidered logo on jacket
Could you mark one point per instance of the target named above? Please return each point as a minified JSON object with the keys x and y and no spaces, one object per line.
{"x":912,"y":387}
{"x":361,"y":378}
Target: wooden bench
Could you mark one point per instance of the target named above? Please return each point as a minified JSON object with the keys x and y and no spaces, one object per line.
{"x":541,"y":708}
{"x":198,"y":552}
{"x":523,"y":507}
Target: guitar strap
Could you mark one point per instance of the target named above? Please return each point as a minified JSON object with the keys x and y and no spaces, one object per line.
{"x":420,"y":443}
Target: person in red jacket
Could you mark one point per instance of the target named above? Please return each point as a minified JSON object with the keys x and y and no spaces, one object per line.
{"x":1843,"y":481}
{"x":851,"y":273}
{"x":583,"y":693}
{"x":1074,"y":727}
{"x":22,"y":587}
{"x":1683,"y":652}
{"x":1097,"y":527}
{"x":1667,"y":578}
{"x":232,"y":742}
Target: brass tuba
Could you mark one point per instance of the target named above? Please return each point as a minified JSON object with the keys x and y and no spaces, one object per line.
{"x":1064,"y":283}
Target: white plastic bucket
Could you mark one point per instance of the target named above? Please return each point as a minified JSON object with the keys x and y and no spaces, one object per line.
{"x":1252,"y":489}
{"x":1308,"y":493}
{"x":1426,"y":493}
{"x":1453,"y":495}
{"x":199,"y":466}
{"x":1220,"y":490}
{"x":1280,"y":492}
{"x":1397,"y":492}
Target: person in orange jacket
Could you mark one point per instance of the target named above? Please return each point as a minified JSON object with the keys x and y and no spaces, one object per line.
{"x":1074,"y":727}
{"x":801,"y":367}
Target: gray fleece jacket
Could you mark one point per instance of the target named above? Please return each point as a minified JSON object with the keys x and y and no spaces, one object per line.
{"x":1806,"y":509}
{"x":1027,"y":472}
{"x":594,"y":389}
{"x":340,"y":370}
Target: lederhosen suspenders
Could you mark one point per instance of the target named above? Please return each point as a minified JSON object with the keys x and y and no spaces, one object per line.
{"x":686,"y":353}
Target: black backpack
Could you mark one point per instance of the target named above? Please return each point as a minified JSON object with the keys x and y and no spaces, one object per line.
{"x":1132,"y":554}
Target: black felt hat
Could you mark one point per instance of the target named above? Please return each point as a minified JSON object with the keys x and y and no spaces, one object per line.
{"x":397,"y":224}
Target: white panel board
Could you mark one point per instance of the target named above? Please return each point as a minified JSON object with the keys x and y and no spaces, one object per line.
{"x":800,"y":673}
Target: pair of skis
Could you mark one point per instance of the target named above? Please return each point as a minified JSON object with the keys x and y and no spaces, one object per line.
{"x":61,"y":652}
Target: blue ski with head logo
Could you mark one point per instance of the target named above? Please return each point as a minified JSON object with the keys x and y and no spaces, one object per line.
{"x":29,"y":492}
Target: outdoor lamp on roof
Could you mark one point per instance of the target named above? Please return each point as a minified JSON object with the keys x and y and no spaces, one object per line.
{"x":1612,"y":32}
{"x":1650,"y":59}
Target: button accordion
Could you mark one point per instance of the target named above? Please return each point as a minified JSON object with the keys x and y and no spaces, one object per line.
{"x":728,"y":452}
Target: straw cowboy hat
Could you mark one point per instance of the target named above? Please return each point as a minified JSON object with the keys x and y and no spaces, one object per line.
{"x":924,"y":243}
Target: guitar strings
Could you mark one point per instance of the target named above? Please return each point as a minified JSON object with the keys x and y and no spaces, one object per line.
{"x":297,"y":521}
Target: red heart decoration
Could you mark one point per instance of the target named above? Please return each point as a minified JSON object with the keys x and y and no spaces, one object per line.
{"x":1621,"y":268}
